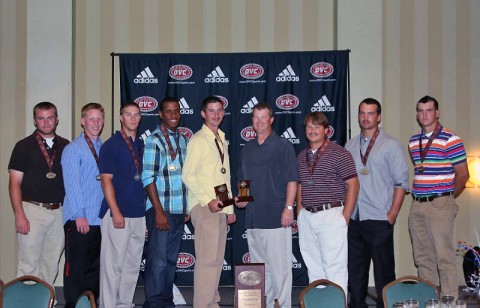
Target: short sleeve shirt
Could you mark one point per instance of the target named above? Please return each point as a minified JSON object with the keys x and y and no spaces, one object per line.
{"x":29,"y":159}
{"x":116,"y":159}
{"x":334,"y":167}
{"x":269,"y":166}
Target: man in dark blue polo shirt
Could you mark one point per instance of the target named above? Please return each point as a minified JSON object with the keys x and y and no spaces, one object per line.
{"x":269,"y":162}
{"x":122,"y":212}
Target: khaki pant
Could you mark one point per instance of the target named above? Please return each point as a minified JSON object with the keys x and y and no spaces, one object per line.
{"x":432,"y":226}
{"x":39,"y":251}
{"x":120,"y":258}
{"x":210,"y":241}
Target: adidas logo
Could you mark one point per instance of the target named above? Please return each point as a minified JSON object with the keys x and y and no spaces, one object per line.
{"x":248,"y":107}
{"x":187,"y":234}
{"x":323,"y":105}
{"x":295,"y":263}
{"x":216,"y":76}
{"x":145,"y":76}
{"x":290,"y":136}
{"x":287,"y":75}
{"x":226,"y":267}
{"x":184,"y":108}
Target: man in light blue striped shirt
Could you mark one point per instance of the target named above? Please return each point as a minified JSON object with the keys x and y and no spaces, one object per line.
{"x":163,"y":159}
{"x":83,"y":198}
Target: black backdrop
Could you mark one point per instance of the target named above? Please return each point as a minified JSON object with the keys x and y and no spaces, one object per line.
{"x":294,"y":83}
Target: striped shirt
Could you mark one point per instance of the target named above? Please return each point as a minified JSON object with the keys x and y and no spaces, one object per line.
{"x":83,"y":193}
{"x":156,"y":162}
{"x":446,"y":151}
{"x":334,"y":168}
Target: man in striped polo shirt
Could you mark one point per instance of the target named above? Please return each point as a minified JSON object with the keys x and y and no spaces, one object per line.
{"x":440,"y":175}
{"x":326,"y":196}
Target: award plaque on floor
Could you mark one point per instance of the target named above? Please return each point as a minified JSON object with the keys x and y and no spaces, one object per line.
{"x":222,"y":193}
{"x":250,"y":285}
{"x":244,"y":191}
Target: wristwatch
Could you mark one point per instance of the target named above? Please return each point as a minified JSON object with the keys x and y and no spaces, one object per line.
{"x":289,"y":207}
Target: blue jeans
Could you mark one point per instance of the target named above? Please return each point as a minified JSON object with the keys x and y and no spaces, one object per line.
{"x":162,"y":250}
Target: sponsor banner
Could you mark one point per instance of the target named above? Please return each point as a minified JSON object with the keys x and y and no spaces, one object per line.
{"x":293,"y":83}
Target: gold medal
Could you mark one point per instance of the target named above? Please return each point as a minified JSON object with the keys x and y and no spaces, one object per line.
{"x":51,"y":175}
{"x":421,"y":169}
{"x":364,"y":171}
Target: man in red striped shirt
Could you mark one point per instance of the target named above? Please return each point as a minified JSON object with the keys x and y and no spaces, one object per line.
{"x":326,"y":196}
{"x":440,"y":175}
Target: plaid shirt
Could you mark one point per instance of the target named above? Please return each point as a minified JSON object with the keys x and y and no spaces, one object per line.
{"x":156,"y":162}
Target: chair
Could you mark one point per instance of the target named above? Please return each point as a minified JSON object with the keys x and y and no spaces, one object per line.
{"x":34,"y":293}
{"x":322,"y":293}
{"x":86,"y":300}
{"x":409,"y":287}
{"x":2,"y":286}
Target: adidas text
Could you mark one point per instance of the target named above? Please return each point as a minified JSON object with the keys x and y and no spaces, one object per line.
{"x":145,"y":80}
{"x":216,"y":79}
{"x":323,"y":108}
{"x":287,"y":78}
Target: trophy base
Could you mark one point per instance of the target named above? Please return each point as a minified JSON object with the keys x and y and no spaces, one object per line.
{"x":226,"y":203}
{"x":245,"y":199}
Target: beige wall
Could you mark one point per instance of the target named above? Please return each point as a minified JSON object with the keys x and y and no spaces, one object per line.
{"x":401,"y":50}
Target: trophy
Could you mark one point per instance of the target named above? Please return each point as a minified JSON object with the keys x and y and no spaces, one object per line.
{"x":244,"y":191}
{"x":222,"y":193}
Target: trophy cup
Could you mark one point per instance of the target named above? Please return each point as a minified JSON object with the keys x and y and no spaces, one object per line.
{"x":244,"y":191}
{"x":222,"y":193}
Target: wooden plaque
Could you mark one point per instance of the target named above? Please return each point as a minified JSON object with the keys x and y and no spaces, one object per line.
{"x":250,"y":285}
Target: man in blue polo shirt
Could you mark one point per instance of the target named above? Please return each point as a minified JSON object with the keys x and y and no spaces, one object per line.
{"x":122,"y":211}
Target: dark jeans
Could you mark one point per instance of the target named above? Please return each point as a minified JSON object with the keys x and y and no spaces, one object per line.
{"x":82,"y":262}
{"x":369,"y":240}
{"x":162,"y":250}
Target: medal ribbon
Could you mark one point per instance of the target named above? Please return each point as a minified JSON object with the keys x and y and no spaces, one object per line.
{"x":49,"y":159}
{"x":173,"y":154}
{"x":318,"y":154}
{"x":369,"y":148}
{"x":423,"y":152}
{"x":90,"y":146}
{"x":222,"y":155}
{"x":130,"y":147}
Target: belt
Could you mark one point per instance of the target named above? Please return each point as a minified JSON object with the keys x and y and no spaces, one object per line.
{"x":431,"y":197}
{"x":323,"y":207}
{"x":48,"y":206}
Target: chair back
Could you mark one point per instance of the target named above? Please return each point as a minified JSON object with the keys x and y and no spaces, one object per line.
{"x":322,"y":293}
{"x":28,"y":292}
{"x":86,"y":300}
{"x":2,"y":286}
{"x":409,"y":287}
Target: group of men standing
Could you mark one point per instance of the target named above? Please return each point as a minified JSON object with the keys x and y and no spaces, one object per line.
{"x":98,"y":201}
